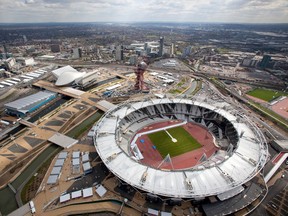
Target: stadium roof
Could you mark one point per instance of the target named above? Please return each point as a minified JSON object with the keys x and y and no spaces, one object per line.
{"x":25,"y":104}
{"x":245,"y":162}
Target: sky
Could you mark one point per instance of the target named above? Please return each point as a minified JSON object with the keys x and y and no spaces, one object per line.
{"x":227,"y":11}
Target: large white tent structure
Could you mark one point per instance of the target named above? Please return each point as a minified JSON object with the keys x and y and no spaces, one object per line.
{"x":68,"y":75}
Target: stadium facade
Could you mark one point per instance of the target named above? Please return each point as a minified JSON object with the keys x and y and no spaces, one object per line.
{"x":242,"y":156}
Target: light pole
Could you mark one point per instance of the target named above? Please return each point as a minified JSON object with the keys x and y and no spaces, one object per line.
{"x":122,"y":206}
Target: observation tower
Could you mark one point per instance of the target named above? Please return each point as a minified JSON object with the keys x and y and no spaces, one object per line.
{"x":140,"y":70}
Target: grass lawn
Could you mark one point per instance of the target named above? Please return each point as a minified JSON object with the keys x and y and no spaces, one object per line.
{"x":162,"y":141}
{"x":266,"y":94}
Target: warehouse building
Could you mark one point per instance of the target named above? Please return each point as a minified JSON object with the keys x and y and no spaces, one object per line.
{"x":23,"y":106}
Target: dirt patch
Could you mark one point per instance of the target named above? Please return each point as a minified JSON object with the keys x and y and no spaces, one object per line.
{"x":256,"y":99}
{"x":281,"y":108}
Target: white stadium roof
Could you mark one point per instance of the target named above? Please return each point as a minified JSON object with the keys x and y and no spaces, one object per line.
{"x":246,"y":161}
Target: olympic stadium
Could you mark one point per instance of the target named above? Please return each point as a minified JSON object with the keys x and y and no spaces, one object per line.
{"x":240,"y":149}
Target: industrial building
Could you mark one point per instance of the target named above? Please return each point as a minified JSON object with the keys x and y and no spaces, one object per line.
{"x":23,"y":106}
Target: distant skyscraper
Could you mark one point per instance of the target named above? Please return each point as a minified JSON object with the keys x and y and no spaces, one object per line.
{"x":77,"y":53}
{"x":161,"y":46}
{"x":145,"y":46}
{"x":5,"y":51}
{"x":119,"y":55}
{"x":265,"y":61}
{"x":55,"y":48}
{"x":172,"y":50}
{"x":25,"y":39}
{"x":133,"y":59}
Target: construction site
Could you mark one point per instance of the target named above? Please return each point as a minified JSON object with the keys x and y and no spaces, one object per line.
{"x":71,"y":149}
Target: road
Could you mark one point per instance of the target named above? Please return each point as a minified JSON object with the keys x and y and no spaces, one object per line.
{"x":280,"y":185}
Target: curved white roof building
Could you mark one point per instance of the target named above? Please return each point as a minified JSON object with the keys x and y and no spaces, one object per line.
{"x":219,"y":174}
{"x":67,"y":75}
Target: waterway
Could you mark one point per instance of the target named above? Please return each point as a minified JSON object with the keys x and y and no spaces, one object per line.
{"x":8,"y":201}
{"x":101,"y":83}
{"x":48,"y":109}
{"x":78,"y":130}
{"x":34,"y":118}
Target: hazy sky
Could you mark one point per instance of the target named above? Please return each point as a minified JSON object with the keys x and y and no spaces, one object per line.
{"x":244,"y":11}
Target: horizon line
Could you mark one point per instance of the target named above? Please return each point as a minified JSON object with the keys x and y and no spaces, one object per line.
{"x":135,"y":22}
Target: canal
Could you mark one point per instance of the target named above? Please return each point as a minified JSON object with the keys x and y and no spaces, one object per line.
{"x":7,"y":197}
{"x":8,"y":201}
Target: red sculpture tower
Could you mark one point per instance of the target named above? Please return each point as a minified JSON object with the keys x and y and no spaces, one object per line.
{"x":140,"y":70}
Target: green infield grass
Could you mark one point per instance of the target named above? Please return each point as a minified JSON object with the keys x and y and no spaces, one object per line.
{"x":165,"y":145}
{"x":266,"y":94}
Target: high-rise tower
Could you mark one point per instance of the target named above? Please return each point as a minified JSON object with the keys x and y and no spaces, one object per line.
{"x":119,"y":53}
{"x":161,"y":46}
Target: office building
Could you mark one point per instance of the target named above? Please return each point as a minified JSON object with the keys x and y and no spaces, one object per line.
{"x":77,"y":53}
{"x":55,"y":48}
{"x":119,"y":54}
{"x":265,"y":61}
{"x":161,"y":46}
{"x":133,"y":59}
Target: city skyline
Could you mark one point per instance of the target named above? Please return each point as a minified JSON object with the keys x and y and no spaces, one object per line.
{"x":227,"y":11}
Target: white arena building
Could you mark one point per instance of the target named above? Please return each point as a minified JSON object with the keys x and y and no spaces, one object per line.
{"x":243,"y":155}
{"x":68,"y":75}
